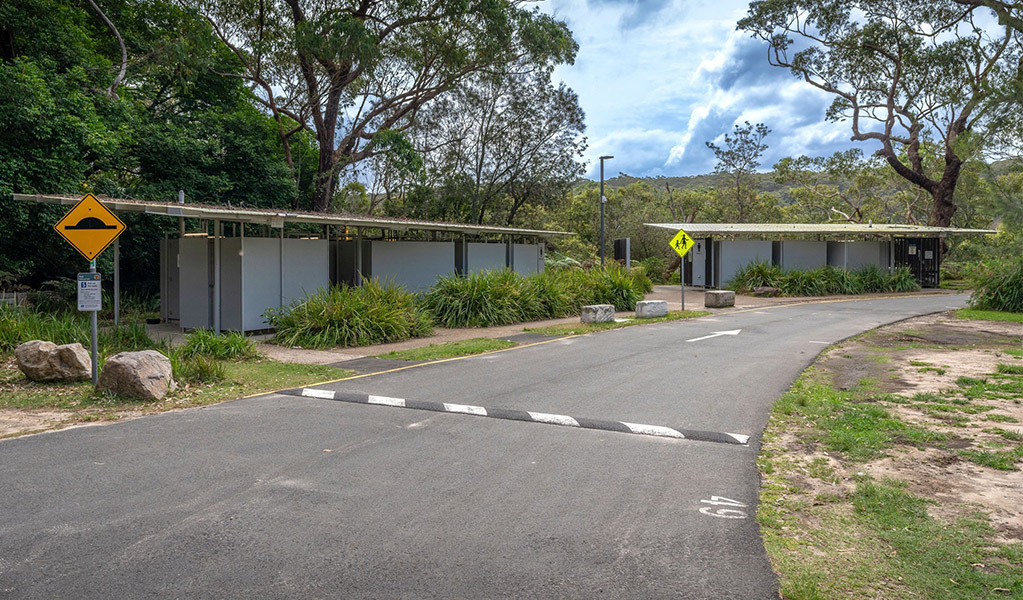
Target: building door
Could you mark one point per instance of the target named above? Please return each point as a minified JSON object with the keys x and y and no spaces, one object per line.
{"x":923,"y":258}
{"x":698,"y":257}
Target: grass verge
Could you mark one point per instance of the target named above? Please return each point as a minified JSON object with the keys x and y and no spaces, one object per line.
{"x":849,"y":505}
{"x":80,"y":402}
{"x":582,"y":328}
{"x":450,"y":349}
{"x":988,"y":315}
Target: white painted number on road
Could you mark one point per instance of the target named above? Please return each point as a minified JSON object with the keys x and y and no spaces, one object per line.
{"x":724,"y":508}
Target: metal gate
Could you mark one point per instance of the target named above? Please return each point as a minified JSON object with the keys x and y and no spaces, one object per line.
{"x":922,"y":256}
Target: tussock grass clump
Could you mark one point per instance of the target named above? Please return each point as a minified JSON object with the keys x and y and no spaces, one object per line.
{"x":998,"y":286}
{"x":822,"y":281}
{"x":130,"y":337}
{"x":226,"y":346}
{"x":342,"y":315}
{"x":19,"y":325}
{"x":197,"y":368}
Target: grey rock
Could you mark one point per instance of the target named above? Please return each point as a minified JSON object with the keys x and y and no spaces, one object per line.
{"x":598,"y":313}
{"x":719,"y":298}
{"x":45,"y":361}
{"x":145,"y":375}
{"x":646,"y":309}
{"x":766,"y":292}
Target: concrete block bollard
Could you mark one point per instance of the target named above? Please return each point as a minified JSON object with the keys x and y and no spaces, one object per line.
{"x":598,"y":313}
{"x":646,"y":309}
{"x":719,"y":298}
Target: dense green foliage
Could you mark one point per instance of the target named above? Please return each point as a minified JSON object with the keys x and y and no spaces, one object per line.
{"x":342,"y":315}
{"x":823,"y":281}
{"x":503,"y":297}
{"x":998,"y":286}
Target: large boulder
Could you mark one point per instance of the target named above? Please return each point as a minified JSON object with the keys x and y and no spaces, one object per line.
{"x":145,"y":375}
{"x":46,"y":361}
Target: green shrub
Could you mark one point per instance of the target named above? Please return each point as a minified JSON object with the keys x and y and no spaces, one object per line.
{"x":343,"y":315}
{"x":840,"y":281}
{"x":226,"y":346}
{"x":902,"y":280}
{"x":642,"y":279}
{"x":754,"y":275}
{"x":655,"y":267}
{"x":503,"y":297}
{"x":550,"y":297}
{"x":479,"y":299}
{"x":823,"y":281}
{"x":613,"y":285}
{"x":998,"y":286}
{"x":805,"y":283}
{"x":871,"y":280}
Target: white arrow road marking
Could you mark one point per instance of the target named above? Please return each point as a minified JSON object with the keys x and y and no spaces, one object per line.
{"x":716,"y":334}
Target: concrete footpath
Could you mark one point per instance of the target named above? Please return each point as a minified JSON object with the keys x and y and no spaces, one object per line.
{"x":669,"y":293}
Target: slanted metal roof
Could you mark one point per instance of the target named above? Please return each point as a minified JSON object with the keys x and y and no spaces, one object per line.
{"x":833,"y":229}
{"x":277,"y":218}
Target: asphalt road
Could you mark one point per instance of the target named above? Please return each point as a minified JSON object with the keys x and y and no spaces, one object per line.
{"x":292,"y":497}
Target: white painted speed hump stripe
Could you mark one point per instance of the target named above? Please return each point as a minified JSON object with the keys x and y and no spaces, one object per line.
{"x":654,"y":430}
{"x":311,"y":393}
{"x":553,"y":419}
{"x":386,"y":401}
{"x":466,"y":409}
{"x":742,"y":439}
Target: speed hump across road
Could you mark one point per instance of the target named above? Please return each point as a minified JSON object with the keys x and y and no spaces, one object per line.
{"x":90,"y":227}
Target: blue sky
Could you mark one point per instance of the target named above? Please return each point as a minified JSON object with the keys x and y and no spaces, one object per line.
{"x":658,"y":78}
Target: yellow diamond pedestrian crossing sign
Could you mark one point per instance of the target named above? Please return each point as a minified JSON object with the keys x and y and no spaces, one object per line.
{"x":681,"y":243}
{"x":90,"y":227}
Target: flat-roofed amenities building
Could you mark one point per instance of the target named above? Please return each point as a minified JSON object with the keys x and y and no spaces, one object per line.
{"x":721,"y":249}
{"x":225,"y":266}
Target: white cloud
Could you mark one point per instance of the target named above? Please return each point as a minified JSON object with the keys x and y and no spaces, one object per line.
{"x":658,"y":78}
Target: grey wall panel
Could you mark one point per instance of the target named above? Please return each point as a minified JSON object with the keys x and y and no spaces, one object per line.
{"x":802,"y":255}
{"x":194,"y":278}
{"x":231,"y":284}
{"x":527,"y":259}
{"x":857,"y":255}
{"x":738,"y":253}
{"x":415,"y":265}
{"x":262,"y":276}
{"x":486,"y":257}
{"x":306,"y":267}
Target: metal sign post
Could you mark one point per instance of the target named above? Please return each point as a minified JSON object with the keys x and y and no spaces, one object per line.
{"x":90,"y":299}
{"x":682,"y":244}
{"x":90,"y":227}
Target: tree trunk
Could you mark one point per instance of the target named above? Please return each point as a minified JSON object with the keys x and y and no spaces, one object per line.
{"x":944,"y":206}
{"x":326,"y":177}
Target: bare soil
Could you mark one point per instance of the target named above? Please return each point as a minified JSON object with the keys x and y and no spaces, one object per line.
{"x":927,"y":355}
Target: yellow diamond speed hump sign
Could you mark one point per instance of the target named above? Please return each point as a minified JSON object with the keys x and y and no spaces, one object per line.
{"x":681,"y":243}
{"x":90,"y":227}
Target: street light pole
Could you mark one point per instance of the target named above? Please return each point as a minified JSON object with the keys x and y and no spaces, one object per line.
{"x":602,"y":201}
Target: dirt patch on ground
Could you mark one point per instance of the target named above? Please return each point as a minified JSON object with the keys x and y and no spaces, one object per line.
{"x":941,"y":373}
